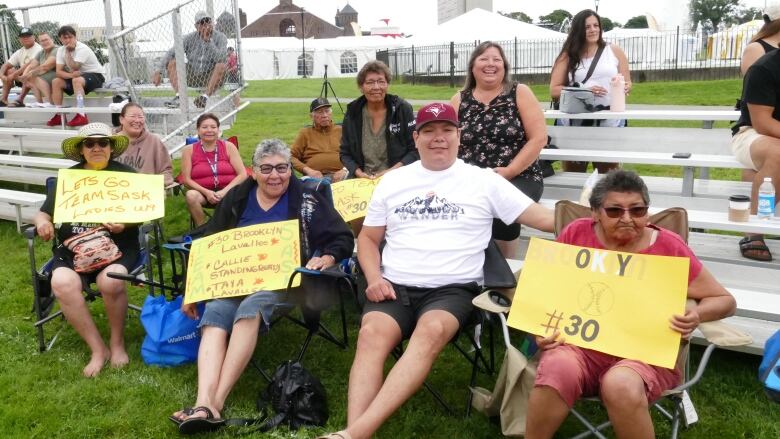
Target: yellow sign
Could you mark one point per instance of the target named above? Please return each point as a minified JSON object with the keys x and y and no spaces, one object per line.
{"x":108,"y":197}
{"x":612,"y":302}
{"x":351,"y":196}
{"x":241,"y":261}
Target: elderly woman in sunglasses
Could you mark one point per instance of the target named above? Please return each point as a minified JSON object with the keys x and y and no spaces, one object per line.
{"x":94,"y":148}
{"x":619,"y":221}
{"x":230,"y":326}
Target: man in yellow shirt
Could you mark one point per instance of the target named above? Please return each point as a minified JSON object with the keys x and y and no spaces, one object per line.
{"x":315,"y":151}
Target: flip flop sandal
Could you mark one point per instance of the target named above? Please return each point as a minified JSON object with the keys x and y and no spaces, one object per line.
{"x":201,"y":425}
{"x":760,"y":252}
{"x":16,"y":104}
{"x":186,"y":411}
{"x":337,"y":435}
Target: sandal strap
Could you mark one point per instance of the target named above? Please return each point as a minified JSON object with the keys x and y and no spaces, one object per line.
{"x":204,"y":409}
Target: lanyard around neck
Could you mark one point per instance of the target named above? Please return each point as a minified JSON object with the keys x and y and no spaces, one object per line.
{"x":213,"y":165}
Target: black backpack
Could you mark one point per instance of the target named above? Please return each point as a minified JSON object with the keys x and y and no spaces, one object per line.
{"x":297,"y":397}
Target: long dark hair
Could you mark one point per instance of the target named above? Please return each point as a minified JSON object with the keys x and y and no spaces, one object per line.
{"x":471,"y":81}
{"x":768,"y":29}
{"x":574,"y":46}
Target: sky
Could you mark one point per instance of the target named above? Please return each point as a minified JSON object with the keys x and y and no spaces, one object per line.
{"x":410,"y":15}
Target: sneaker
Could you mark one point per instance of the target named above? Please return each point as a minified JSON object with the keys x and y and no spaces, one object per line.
{"x":200,"y":101}
{"x":78,"y":121}
{"x":173,"y":103}
{"x":55,"y":121}
{"x":35,"y":105}
{"x":46,"y":105}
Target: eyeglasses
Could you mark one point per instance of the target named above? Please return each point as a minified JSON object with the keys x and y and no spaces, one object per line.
{"x":205,"y":21}
{"x":280,"y":169}
{"x":617,"y":212}
{"x":135,"y":116}
{"x":103,"y":143}
{"x":371,"y":84}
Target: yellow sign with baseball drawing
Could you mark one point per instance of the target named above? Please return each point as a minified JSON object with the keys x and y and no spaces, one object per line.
{"x":351,"y":196}
{"x":241,"y":261}
{"x":108,"y":197}
{"x":612,"y":302}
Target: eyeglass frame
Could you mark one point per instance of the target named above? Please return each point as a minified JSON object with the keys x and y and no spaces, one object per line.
{"x":640,"y":211}
{"x":381,"y":83}
{"x":103,"y":142}
{"x":281,"y":168}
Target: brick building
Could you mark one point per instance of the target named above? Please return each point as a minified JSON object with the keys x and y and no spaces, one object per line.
{"x":286,"y":20}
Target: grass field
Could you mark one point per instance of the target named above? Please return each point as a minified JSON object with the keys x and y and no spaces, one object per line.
{"x":44,"y":395}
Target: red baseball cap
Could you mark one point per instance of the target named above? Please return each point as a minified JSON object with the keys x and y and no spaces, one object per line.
{"x":436,"y":112}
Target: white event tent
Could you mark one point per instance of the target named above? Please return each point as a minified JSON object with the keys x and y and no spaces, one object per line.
{"x":527,"y":46}
{"x":730,"y":43}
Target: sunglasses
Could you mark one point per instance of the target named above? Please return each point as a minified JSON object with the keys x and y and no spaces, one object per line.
{"x":280,"y":169}
{"x":103,"y":143}
{"x":617,"y":212}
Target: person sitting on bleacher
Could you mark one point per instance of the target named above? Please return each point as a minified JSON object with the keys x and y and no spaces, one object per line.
{"x":206,"y":53}
{"x":315,"y":151}
{"x":146,"y":153}
{"x":12,"y":70}
{"x":756,"y":138}
{"x":619,"y":205}
{"x":78,"y":72}
{"x":94,"y":148}
{"x":41,"y":72}
{"x":230,"y":326}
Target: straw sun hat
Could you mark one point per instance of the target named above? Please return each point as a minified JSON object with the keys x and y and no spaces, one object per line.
{"x":71,"y":147}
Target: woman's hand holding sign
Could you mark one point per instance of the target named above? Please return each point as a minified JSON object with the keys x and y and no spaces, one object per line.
{"x":685,"y":324}
{"x":553,"y":341}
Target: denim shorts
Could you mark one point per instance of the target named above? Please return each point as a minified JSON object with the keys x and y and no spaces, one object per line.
{"x":224,"y":313}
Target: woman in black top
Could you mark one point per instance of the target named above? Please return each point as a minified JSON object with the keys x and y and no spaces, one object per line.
{"x":95,"y":148}
{"x":502,"y":128}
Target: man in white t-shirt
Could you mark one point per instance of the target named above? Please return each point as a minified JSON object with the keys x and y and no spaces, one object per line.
{"x":78,"y":73}
{"x":435,"y":216}
{"x":15,"y":67}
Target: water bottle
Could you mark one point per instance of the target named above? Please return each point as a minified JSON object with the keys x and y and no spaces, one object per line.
{"x":766,"y":199}
{"x":617,"y":93}
{"x":79,"y":101}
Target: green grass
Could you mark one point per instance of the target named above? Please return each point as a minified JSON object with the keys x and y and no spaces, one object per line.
{"x":44,"y":394}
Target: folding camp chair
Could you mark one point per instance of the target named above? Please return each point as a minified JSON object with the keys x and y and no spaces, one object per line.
{"x":671,"y":405}
{"x":43,"y":298}
{"x":496,"y":275}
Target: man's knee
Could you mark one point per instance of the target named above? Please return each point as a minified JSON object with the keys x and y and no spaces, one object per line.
{"x":109,"y":286}
{"x":378,"y":333}
{"x":435,"y":330}
{"x":623,"y":387}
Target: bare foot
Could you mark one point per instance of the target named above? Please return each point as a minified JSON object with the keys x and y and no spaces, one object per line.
{"x":96,"y":363}
{"x":119,"y":357}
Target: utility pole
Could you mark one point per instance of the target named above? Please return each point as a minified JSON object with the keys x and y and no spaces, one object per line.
{"x":303,"y":42}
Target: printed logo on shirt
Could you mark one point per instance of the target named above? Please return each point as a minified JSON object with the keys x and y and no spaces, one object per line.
{"x":431,"y":207}
{"x":394,"y":128}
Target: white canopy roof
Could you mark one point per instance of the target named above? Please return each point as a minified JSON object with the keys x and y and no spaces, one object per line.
{"x":479,"y":24}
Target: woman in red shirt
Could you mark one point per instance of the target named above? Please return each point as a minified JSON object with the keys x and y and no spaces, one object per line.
{"x":210,"y":167}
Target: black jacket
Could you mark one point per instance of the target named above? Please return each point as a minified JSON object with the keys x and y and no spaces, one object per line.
{"x":323,"y":229}
{"x":399,"y":126}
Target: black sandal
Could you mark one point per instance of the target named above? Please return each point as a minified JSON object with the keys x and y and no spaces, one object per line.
{"x":16,"y":104}
{"x":201,"y":425}
{"x":754,"y":247}
{"x":186,"y":411}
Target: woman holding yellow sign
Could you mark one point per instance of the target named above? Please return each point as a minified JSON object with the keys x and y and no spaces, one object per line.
{"x":230,"y":326}
{"x":95,"y":148}
{"x":619,"y":222}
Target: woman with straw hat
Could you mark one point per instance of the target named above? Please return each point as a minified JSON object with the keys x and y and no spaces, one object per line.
{"x":94,"y":148}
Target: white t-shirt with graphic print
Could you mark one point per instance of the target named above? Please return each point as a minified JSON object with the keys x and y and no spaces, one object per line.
{"x":438,"y":223}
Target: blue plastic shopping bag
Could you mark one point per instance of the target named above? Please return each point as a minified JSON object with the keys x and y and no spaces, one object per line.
{"x":769,"y":370}
{"x":172,"y":338}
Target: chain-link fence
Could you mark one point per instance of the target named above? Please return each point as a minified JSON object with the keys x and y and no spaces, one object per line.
{"x":183,"y":56}
{"x":652,"y":55}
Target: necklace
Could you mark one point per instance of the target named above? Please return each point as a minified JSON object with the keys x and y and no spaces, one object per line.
{"x":213,"y":165}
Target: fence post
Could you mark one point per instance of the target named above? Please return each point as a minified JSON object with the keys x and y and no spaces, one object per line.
{"x":2,"y":38}
{"x":113,"y":55}
{"x":181,"y":73}
{"x":452,"y":64}
{"x":395,"y":63}
{"x":677,"y":49}
{"x":414,"y":66}
{"x":514,"y":63}
{"x":26,"y":17}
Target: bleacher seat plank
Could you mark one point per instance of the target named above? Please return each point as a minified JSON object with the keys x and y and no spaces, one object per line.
{"x":35,"y":162}
{"x":18,"y":174}
{"x":642,"y":158}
